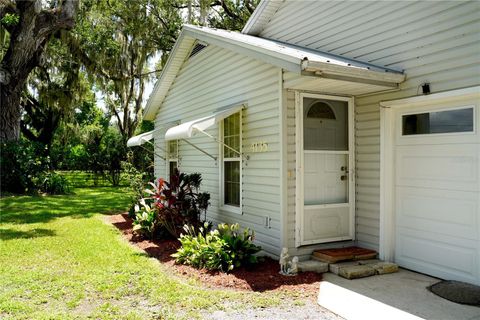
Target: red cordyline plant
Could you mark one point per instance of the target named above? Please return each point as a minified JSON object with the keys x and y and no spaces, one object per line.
{"x":179,"y":201}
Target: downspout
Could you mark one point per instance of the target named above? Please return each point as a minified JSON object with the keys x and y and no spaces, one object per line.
{"x":283,"y":161}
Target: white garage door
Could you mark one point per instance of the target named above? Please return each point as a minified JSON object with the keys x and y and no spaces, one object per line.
{"x":437,"y":190}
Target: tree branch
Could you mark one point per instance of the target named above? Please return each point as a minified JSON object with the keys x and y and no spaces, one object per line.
{"x":227,"y":10}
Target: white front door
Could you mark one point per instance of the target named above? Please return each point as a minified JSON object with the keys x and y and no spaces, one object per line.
{"x":325,"y":178}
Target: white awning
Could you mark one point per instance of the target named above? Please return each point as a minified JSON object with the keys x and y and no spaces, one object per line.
{"x":140,"y":139}
{"x":189,"y":129}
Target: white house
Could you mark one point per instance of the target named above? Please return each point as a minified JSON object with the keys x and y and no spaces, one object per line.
{"x":332,"y":123}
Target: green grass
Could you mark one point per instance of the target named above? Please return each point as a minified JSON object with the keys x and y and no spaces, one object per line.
{"x":60,"y":260}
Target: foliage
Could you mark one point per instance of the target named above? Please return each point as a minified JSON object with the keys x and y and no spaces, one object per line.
{"x":222,"y":249}
{"x":136,"y":179}
{"x":110,"y":155}
{"x":22,"y":166}
{"x":179,"y":201}
{"x":77,"y":140}
{"x":25,"y":168}
{"x":145,"y":222}
{"x":30,"y":25}
{"x":10,"y":19}
{"x":232,"y":14}
{"x":136,"y":33}
{"x":54,"y":183}
{"x":175,"y":203}
{"x":54,"y":90}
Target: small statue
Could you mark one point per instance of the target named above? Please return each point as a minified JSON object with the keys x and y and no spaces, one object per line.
{"x":284,"y":261}
{"x":293,"y":269}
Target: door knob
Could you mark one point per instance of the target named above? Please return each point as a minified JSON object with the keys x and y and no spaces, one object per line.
{"x":343,"y":168}
{"x":343,"y":178}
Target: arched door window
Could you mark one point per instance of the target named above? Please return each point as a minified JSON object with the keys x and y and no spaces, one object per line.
{"x":320,"y":110}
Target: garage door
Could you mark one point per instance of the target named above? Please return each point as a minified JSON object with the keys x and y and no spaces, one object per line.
{"x":437,"y":190}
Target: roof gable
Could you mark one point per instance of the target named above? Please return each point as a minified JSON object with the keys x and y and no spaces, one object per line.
{"x":288,"y":57}
{"x":261,"y":16}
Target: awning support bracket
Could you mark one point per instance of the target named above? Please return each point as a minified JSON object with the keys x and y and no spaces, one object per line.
{"x":200,"y":149}
{"x":246,"y":157}
{"x":161,"y":157}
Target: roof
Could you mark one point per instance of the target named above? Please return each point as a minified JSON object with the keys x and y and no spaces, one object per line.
{"x":261,"y":16}
{"x":288,"y":57}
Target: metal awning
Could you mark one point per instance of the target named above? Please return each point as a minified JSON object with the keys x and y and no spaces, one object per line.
{"x":140,"y":139}
{"x":189,"y":129}
{"x":146,"y":137}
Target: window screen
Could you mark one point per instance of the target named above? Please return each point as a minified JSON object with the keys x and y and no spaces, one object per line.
{"x":231,"y":160}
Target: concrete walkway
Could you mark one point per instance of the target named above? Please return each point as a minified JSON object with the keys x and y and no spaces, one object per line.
{"x":401,"y":295}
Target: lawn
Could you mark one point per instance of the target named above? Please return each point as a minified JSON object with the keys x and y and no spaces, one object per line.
{"x":60,"y":260}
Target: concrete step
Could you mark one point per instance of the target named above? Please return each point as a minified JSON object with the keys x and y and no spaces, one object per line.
{"x":362,"y":268}
{"x":313,"y":266}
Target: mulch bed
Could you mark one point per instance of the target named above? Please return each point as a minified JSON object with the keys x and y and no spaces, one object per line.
{"x":262,"y":277}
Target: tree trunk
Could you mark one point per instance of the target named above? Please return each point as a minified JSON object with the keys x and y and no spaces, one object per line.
{"x":27,"y":42}
{"x":10,"y":114}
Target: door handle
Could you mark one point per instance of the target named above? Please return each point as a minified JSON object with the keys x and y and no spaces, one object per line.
{"x":343,"y":178}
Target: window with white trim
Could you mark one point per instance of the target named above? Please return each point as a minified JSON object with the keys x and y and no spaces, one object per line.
{"x":172,"y":157}
{"x":231,"y":161}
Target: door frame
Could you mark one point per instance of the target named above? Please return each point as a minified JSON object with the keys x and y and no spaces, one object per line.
{"x":299,"y":164}
{"x":388,"y":131}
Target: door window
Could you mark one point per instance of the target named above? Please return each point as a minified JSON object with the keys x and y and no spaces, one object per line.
{"x":325,"y":124}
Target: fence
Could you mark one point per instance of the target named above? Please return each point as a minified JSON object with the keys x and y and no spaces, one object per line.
{"x":82,"y":179}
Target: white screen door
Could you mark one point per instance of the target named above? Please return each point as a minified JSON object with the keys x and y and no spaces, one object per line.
{"x":324,"y":176}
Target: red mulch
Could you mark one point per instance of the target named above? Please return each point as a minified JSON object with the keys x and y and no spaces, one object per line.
{"x":263,"y":276}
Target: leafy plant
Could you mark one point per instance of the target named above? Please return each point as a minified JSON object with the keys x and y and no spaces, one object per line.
{"x":222,"y":249}
{"x":239,"y":243}
{"x":136,"y":181}
{"x":23,"y":165}
{"x":10,"y":19}
{"x":54,"y":183}
{"x":145,"y":222}
{"x":174,"y":204}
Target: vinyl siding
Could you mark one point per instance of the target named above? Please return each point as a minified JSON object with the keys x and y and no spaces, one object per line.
{"x":216,"y":78}
{"x":434,"y":42}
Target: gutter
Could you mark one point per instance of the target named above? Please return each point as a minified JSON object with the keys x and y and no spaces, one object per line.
{"x":352,"y":73}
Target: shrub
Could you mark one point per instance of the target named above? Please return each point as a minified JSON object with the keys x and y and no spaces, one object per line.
{"x":23,"y":165}
{"x":175,"y":203}
{"x":54,"y":183}
{"x":222,"y":249}
{"x":136,"y":181}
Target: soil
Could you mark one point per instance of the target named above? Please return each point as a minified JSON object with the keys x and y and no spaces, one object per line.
{"x":263,"y":276}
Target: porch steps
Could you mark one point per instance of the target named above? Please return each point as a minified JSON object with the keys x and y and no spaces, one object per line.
{"x":349,"y":263}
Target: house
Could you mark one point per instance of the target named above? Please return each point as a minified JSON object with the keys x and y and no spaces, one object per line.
{"x":332,"y":123}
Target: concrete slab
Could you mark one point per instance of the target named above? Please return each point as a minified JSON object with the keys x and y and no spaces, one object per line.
{"x":335,"y":267}
{"x":313,"y":265}
{"x":355,"y":272}
{"x":399,"y":295}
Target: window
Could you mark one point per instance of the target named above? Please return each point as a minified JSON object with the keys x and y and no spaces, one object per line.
{"x":320,"y":110}
{"x":448,"y":121}
{"x":172,"y":157}
{"x":231,"y":151}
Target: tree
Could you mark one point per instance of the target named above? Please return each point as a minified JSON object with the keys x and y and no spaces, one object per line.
{"x":224,"y":14}
{"x":117,"y":41}
{"x":30,"y":25}
{"x":53,"y":91}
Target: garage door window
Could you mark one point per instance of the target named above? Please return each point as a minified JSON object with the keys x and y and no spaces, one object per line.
{"x":448,"y":121}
